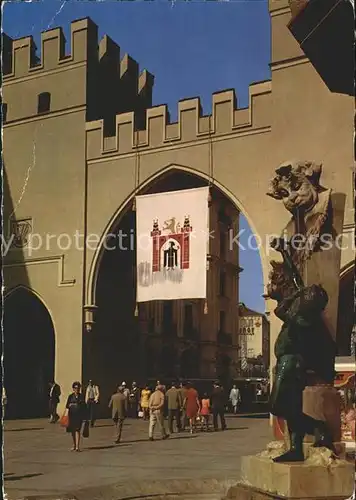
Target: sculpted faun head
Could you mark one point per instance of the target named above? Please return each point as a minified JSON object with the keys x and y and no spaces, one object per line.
{"x":296,"y":183}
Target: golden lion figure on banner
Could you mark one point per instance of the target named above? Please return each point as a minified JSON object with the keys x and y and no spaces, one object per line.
{"x":170,"y":225}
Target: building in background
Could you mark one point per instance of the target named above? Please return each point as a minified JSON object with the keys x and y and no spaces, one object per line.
{"x":254,"y":343}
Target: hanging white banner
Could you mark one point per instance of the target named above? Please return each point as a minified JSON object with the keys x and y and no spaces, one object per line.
{"x":172,"y":230}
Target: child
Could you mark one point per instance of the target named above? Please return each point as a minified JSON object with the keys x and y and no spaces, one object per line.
{"x":205,"y":412}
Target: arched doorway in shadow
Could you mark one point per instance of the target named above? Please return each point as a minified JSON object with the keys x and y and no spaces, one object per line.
{"x":345,"y":313}
{"x":29,"y":354}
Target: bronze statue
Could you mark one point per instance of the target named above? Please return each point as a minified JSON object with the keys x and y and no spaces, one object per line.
{"x":304,"y":349}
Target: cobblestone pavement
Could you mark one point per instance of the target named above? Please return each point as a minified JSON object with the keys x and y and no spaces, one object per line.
{"x":38,"y":461}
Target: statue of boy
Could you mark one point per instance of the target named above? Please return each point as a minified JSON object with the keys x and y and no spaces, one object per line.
{"x":304,"y":348}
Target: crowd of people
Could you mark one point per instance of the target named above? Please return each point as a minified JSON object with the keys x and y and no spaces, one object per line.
{"x":180,"y":405}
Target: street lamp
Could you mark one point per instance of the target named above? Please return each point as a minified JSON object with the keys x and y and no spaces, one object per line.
{"x":89,"y":312}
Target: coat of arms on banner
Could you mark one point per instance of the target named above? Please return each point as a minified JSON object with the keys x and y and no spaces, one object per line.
{"x":172,"y":236}
{"x":170,"y":244}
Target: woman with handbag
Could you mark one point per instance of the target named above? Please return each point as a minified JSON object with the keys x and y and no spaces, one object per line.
{"x":77,"y":414}
{"x":145,"y":397}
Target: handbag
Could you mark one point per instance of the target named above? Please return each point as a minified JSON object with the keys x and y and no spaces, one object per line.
{"x":64,"y":420}
{"x":86,"y":429}
{"x":140,"y":414}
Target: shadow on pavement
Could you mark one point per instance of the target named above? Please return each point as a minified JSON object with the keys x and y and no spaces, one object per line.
{"x":159,"y":495}
{"x":146,"y":440}
{"x":25,"y":429}
{"x":251,"y":415}
{"x":235,"y":429}
{"x":105,"y":447}
{"x":102,"y":425}
{"x":18,"y":478}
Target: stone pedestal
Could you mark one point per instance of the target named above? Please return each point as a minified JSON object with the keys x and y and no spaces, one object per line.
{"x":242,"y":492}
{"x":319,"y":477}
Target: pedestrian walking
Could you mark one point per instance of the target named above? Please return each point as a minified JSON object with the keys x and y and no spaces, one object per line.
{"x":192,"y":406}
{"x":205,"y":412}
{"x":54,"y":395}
{"x":235,"y":398}
{"x":259,"y":393}
{"x":145,"y":397}
{"x":218,"y":406}
{"x":119,"y":405}
{"x":156,"y":406}
{"x":126,"y":390}
{"x":162,"y":385}
{"x":183,"y":413}
{"x":174,"y":404}
{"x":134,"y":397}
{"x":92,"y":395}
{"x":77,"y":414}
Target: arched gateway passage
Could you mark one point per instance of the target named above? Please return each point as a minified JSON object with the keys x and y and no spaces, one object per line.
{"x":29,"y":354}
{"x":153,"y":344}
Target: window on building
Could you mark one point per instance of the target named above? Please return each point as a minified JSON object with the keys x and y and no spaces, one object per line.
{"x":44,"y":102}
{"x":222,"y":321}
{"x":222,"y":244}
{"x":151,"y":325}
{"x":188,"y":318}
{"x":221,"y":214}
{"x":167,"y":316}
{"x":4,"y":112}
{"x":222,"y":283}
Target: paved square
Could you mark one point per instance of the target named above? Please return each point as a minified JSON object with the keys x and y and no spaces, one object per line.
{"x":38,"y":460}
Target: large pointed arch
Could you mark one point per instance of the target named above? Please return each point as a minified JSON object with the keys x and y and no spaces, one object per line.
{"x":29,"y":353}
{"x":122,"y":341}
{"x":141,"y":189}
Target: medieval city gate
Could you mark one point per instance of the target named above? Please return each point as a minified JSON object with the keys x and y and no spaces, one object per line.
{"x":88,"y":175}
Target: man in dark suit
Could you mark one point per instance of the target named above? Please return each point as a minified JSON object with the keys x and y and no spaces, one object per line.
{"x":174,"y":404}
{"x":119,"y":404}
{"x":54,"y":393}
{"x":182,"y":394}
{"x":218,"y":402}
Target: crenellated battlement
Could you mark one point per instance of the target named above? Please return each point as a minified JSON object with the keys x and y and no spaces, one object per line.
{"x":116,"y":94}
{"x":113,"y":84}
{"x":191,"y":125}
{"x":20,"y":58}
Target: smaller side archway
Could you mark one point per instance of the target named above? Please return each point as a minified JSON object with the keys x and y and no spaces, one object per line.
{"x":29,"y":354}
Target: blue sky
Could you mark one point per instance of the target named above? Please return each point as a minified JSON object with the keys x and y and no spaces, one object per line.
{"x":192,"y":48}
